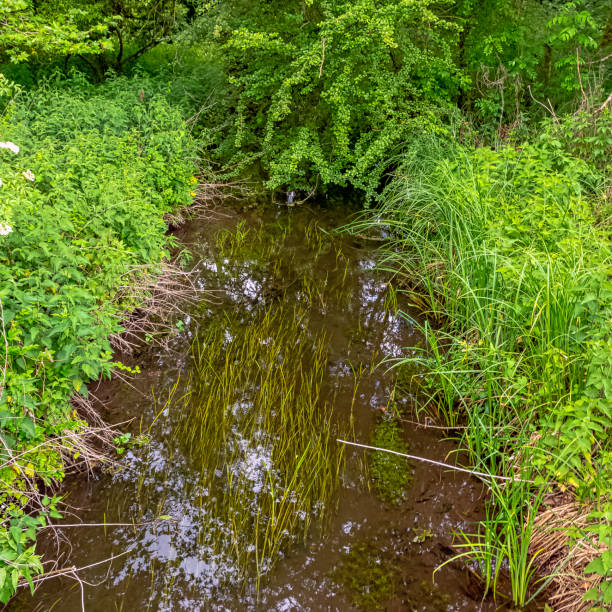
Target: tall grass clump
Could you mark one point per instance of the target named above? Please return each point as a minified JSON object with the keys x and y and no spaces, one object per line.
{"x":502,"y":252}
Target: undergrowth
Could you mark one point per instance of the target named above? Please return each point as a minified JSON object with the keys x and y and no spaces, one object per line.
{"x":504,"y":252}
{"x":87,"y":177}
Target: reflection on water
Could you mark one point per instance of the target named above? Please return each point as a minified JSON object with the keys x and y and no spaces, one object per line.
{"x":203,"y":496}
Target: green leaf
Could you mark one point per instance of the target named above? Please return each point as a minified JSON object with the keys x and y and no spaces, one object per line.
{"x":595,"y":567}
{"x":27,"y":426}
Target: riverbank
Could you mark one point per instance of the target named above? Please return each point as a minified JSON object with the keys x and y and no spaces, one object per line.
{"x":88,"y":181}
{"x":507,"y":254}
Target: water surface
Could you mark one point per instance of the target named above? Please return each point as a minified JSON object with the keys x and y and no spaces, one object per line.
{"x":289,"y":262}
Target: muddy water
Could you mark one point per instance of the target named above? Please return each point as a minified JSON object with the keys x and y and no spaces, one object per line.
{"x":366,"y":553}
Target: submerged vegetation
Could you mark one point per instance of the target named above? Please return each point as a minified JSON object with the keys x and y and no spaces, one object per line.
{"x":479,"y":135}
{"x":368,"y":577}
{"x":390,"y":473}
{"x":243,"y":463}
{"x":260,"y":436}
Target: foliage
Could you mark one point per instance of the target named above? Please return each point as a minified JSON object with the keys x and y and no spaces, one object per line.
{"x":503,"y":540}
{"x":518,"y":53}
{"x":328,"y":92}
{"x":27,"y":30}
{"x":82,"y":210}
{"x":507,"y":251}
{"x":602,"y":565}
{"x":104,"y":34}
{"x":504,"y":250}
{"x":586,"y":134}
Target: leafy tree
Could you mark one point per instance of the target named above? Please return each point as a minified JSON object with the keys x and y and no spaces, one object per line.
{"x":30,"y":30}
{"x":518,"y":50}
{"x":105,"y":34}
{"x":327,"y":93}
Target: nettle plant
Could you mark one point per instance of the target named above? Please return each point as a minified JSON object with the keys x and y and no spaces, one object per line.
{"x":326,"y":96}
{"x":87,"y":177}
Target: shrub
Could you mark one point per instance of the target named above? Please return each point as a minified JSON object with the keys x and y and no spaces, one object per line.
{"x":83,"y":205}
{"x":325,"y":95}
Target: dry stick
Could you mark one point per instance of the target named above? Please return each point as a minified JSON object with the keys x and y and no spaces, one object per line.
{"x":52,"y":441}
{"x":608,"y":100}
{"x":72,"y":570}
{"x":6,"y":348}
{"x":584,"y":96}
{"x":4,"y":373}
{"x":446,"y":465}
{"x":598,"y":61}
{"x":548,"y":110}
{"x":322,"y":60}
{"x":155,"y":522}
{"x":427,"y":426}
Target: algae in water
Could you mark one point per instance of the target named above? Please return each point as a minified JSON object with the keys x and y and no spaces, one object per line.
{"x":369,"y":579}
{"x":391,"y":474}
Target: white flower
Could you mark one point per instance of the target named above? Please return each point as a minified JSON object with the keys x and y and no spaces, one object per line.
{"x":5,"y":229}
{"x":28,"y":175}
{"x":1,"y":183}
{"x":11,"y":146}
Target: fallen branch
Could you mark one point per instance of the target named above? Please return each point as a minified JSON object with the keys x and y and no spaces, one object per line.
{"x":439,"y":463}
{"x":67,"y":571}
{"x":608,"y":100}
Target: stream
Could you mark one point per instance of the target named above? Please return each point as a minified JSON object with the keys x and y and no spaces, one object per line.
{"x":233,"y":492}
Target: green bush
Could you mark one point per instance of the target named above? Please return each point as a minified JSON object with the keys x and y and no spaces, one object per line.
{"x":327,"y":90}
{"x":82,"y":209}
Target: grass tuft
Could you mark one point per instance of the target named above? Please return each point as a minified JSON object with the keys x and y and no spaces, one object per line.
{"x":502,"y":252}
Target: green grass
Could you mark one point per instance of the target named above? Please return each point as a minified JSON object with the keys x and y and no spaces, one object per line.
{"x":502,"y":252}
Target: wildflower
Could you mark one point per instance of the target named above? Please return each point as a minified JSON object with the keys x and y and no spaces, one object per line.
{"x":1,"y":183}
{"x":28,"y":175}
{"x":5,"y":229}
{"x":11,"y":146}
{"x":192,"y":194}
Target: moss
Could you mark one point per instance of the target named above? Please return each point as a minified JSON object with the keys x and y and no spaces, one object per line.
{"x":426,"y":591}
{"x":391,"y":474}
{"x":369,"y":579}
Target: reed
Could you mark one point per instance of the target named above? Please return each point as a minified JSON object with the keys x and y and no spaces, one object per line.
{"x":250,"y":465}
{"x":259,"y":433}
{"x":256,"y":423}
{"x":501,"y":252}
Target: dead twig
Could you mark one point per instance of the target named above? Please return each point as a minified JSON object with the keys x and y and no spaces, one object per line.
{"x":548,"y":109}
{"x":322,"y":60}
{"x":438,"y":463}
